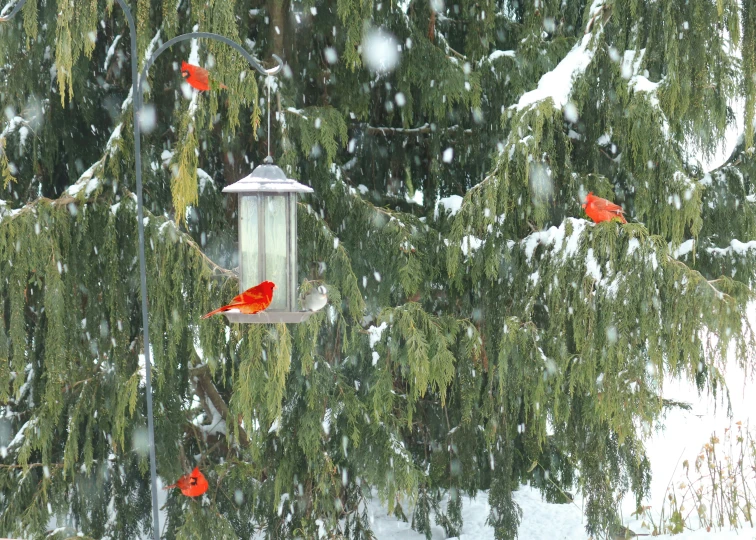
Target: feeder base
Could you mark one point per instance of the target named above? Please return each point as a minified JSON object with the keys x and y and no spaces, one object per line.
{"x":269,"y":317}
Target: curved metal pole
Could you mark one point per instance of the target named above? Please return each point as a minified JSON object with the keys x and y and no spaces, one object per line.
{"x":216,"y":37}
{"x":13,"y":12}
{"x":143,"y":271}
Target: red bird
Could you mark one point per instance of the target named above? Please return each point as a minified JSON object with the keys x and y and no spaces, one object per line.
{"x":253,"y":300}
{"x":197,"y":77}
{"x":599,"y":209}
{"x":191,"y":485}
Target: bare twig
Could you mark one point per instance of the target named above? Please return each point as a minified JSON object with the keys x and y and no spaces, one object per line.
{"x":709,"y":282}
{"x":216,"y":267}
{"x":191,"y":243}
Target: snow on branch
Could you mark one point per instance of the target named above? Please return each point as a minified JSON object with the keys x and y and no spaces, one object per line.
{"x":557,"y":83}
{"x":421,"y":130}
{"x":555,"y":236}
{"x":736,"y":247}
{"x":88,"y":180}
{"x":568,"y":242}
{"x":208,"y":393}
{"x":12,"y":126}
{"x":111,"y":52}
{"x":147,"y":54}
{"x":496,"y":55}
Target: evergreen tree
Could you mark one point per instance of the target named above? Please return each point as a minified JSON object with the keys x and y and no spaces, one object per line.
{"x":481,"y":333}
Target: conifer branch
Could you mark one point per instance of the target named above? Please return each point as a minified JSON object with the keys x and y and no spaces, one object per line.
{"x":191,"y":243}
{"x":448,"y":48}
{"x":216,"y":267}
{"x":31,"y":465}
{"x":567,"y":496}
{"x":205,"y":389}
{"x":421,"y":130}
{"x":423,"y":354}
{"x":77,"y":383}
{"x":295,"y":112}
{"x":483,"y":182}
{"x":63,"y":200}
{"x":456,"y":53}
{"x":709,"y":282}
{"x":391,"y":214}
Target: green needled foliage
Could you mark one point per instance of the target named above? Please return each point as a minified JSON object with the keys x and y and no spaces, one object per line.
{"x":480,"y":333}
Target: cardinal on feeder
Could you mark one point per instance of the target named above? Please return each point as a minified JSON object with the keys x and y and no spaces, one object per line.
{"x":253,"y":300}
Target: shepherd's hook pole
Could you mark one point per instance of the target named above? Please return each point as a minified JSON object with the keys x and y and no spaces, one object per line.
{"x":136,"y":108}
{"x":136,"y":97}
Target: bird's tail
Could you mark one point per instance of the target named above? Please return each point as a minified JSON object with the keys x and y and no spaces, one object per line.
{"x":219,"y":310}
{"x":170,"y":487}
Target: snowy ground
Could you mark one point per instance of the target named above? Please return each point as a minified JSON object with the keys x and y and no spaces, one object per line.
{"x":540,"y":521}
{"x":683,"y":436}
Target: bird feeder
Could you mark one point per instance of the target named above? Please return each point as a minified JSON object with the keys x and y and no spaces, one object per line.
{"x":268,"y":241}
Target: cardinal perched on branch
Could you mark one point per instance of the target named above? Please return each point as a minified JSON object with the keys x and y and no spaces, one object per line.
{"x":193,"y":484}
{"x":253,"y":300}
{"x":599,"y":209}
{"x":198,"y":77}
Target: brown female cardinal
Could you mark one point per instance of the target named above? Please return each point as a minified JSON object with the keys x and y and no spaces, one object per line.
{"x":253,"y":300}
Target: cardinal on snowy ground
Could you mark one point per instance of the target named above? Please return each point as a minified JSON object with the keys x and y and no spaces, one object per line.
{"x":253,"y":300}
{"x":198,"y":77}
{"x":599,"y":209}
{"x":193,"y":484}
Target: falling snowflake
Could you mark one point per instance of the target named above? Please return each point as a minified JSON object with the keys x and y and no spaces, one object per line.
{"x":380,"y":50}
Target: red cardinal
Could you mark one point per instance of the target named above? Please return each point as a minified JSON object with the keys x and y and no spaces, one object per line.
{"x":253,"y":300}
{"x":197,"y":77}
{"x":191,"y":485}
{"x":599,"y":209}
